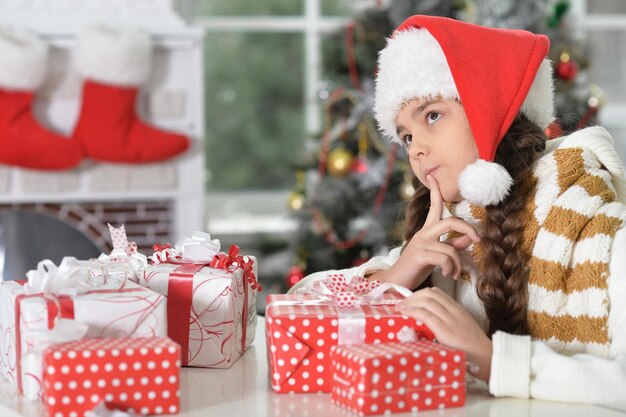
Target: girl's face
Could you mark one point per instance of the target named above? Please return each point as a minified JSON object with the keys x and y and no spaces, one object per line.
{"x":439,"y":141}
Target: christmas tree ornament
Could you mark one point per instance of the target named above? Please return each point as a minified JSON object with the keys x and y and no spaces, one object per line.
{"x":339,"y":162}
{"x":566,"y":68}
{"x":295,"y":201}
{"x":406,"y":189}
{"x":555,"y":130}
{"x":597,"y":97}
{"x":114,"y":64}
{"x":294,"y":275}
{"x":360,"y":164}
{"x":24,"y":142}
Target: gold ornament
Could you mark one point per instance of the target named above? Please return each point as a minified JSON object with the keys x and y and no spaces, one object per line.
{"x":295,"y":201}
{"x":339,"y":162}
{"x":407,"y":190}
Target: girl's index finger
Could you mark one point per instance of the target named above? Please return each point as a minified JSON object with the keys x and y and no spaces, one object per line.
{"x":436,"y":202}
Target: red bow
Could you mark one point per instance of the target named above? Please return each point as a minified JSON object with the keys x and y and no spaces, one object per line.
{"x":159,"y":248}
{"x":232,"y":261}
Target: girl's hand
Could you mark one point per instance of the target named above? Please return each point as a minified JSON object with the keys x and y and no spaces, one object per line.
{"x":452,"y":325}
{"x":424,"y":251}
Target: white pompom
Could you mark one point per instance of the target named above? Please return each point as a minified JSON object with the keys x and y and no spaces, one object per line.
{"x":484,"y":183}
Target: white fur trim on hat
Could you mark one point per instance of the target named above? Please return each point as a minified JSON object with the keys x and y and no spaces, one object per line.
{"x":538,"y":105}
{"x":402,"y":75}
{"x":23,"y":60}
{"x":484,"y":183}
{"x":112,"y":56}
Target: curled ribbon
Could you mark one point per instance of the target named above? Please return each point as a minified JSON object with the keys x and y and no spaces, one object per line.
{"x":71,"y":277}
{"x":197,"y":249}
{"x":344,"y":293}
{"x":335,"y":289}
{"x":232,"y":261}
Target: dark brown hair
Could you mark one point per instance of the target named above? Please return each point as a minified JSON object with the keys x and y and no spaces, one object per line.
{"x":502,"y":286}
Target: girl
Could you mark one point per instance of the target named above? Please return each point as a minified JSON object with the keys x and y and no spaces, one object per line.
{"x":524,"y":240}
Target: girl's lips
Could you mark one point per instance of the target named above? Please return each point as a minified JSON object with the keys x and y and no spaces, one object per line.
{"x":430,"y":171}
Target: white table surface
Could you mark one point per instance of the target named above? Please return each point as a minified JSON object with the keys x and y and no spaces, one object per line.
{"x":243,"y":391}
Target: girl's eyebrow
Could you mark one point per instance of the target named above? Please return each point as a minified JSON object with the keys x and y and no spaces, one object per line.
{"x":419,"y":109}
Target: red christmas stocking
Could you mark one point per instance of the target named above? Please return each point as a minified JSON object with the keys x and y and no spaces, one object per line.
{"x":23,"y":141}
{"x":115,"y":64}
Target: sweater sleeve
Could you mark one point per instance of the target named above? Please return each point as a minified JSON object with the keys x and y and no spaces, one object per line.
{"x":377,"y":263}
{"x":524,"y":368}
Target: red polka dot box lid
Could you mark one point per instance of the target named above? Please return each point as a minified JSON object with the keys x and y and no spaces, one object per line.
{"x":397,"y":377}
{"x":138,"y":374}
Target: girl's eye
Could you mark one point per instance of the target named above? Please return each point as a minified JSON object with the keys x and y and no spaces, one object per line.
{"x":432,"y":117}
{"x":407,"y":139}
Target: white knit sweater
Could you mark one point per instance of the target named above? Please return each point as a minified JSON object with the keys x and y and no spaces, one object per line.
{"x":521,"y":367}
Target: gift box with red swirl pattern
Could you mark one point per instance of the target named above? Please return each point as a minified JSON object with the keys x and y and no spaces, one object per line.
{"x":135,"y":374}
{"x":302,"y":328}
{"x":115,"y":308}
{"x":397,"y":377}
{"x":211,"y":299}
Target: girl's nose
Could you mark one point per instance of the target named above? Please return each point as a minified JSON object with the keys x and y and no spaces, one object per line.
{"x":417,"y":149}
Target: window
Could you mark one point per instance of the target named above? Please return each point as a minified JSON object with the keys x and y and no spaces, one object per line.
{"x":262,"y":77}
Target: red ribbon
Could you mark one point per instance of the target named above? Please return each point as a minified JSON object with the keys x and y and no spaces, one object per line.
{"x":179,"y":296}
{"x":234,"y":260}
{"x":63,"y":302}
{"x":230,"y":263}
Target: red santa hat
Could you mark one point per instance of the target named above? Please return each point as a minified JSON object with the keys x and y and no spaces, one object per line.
{"x":495,"y":73}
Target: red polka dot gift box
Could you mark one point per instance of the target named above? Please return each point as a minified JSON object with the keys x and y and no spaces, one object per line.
{"x":130,"y":374}
{"x":397,"y":377}
{"x":301,"y":329}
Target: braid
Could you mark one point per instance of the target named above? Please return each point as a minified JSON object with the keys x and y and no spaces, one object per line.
{"x":503,"y":286}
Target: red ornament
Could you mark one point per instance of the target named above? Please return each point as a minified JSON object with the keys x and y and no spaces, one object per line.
{"x":359,"y":166}
{"x":294,"y":275}
{"x":566,"y":70}
{"x":554,"y":130}
{"x":359,"y":261}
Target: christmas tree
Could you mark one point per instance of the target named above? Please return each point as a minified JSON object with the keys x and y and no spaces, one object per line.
{"x":352,"y":185}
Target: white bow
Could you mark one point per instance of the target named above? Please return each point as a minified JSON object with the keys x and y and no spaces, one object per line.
{"x":69,"y":278}
{"x":197,"y":249}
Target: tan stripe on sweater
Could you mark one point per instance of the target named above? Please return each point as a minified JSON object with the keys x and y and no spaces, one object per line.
{"x":595,"y":186}
{"x":567,"y":328}
{"x":601,"y":223}
{"x":554,"y":276}
{"x":570,"y":166}
{"x":565,"y":222}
